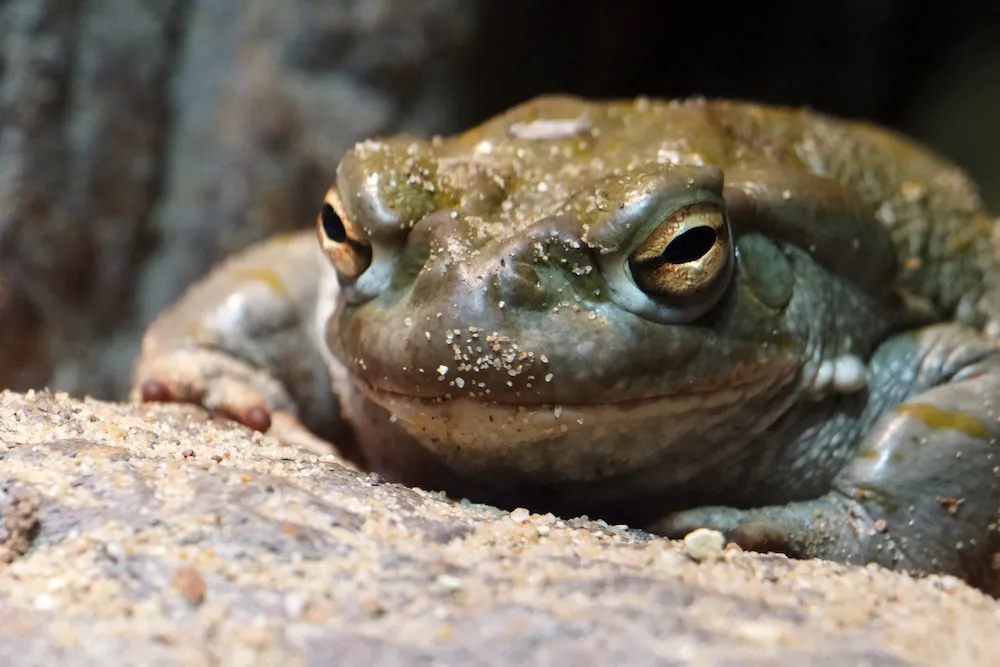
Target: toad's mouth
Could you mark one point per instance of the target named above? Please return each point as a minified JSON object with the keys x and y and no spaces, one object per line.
{"x":713,"y":392}
{"x":558,"y":439}
{"x":734,"y":382}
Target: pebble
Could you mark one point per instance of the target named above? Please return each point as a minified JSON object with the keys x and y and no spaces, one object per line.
{"x":46,"y":602}
{"x":190,"y":584}
{"x":520,"y":515}
{"x":449,"y":582}
{"x":701,"y":543}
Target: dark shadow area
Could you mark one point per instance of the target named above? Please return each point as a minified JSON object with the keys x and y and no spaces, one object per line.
{"x":854,"y":58}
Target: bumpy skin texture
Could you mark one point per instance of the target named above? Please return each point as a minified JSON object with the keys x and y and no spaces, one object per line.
{"x":816,"y":373}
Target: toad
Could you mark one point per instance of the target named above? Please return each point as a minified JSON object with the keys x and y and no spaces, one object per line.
{"x":672,"y":314}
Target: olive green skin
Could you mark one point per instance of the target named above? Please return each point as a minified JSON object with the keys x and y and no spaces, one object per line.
{"x":499,"y":347}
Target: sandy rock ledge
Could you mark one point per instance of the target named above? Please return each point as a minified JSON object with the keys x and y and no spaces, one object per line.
{"x":157,"y":536}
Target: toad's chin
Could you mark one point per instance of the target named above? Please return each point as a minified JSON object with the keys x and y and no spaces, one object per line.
{"x":568,"y":442}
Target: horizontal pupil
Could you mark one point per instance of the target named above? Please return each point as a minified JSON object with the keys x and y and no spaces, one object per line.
{"x":689,"y":246}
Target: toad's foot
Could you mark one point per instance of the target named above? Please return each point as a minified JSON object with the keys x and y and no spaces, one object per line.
{"x":242,"y":344}
{"x":922,"y":492}
{"x":227,"y":387}
{"x":214,"y":380}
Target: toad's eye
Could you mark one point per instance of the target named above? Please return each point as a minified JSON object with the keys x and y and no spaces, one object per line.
{"x":344,"y":243}
{"x":685,"y":257}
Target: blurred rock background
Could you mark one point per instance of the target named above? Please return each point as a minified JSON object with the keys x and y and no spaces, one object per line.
{"x":143,"y":140}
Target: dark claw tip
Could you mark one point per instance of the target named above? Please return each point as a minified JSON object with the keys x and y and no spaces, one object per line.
{"x":258,"y":418}
{"x":154,"y":391}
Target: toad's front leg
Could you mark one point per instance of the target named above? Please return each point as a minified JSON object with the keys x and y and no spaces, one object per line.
{"x":244,"y":343}
{"x":922,"y":492}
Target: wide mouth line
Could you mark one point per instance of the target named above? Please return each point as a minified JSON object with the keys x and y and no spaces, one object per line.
{"x":489,"y":401}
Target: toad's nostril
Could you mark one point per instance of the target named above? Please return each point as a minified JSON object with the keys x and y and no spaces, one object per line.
{"x":517,"y":282}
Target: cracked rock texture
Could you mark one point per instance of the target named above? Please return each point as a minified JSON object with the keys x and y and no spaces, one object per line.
{"x":156,"y":535}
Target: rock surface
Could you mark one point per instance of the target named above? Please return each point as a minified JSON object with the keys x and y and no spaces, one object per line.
{"x":156,"y":535}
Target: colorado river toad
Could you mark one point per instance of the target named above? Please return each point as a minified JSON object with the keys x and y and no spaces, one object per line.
{"x":673,"y":314}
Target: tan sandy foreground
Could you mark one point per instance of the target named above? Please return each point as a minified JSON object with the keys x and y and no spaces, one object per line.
{"x":156,"y":536}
